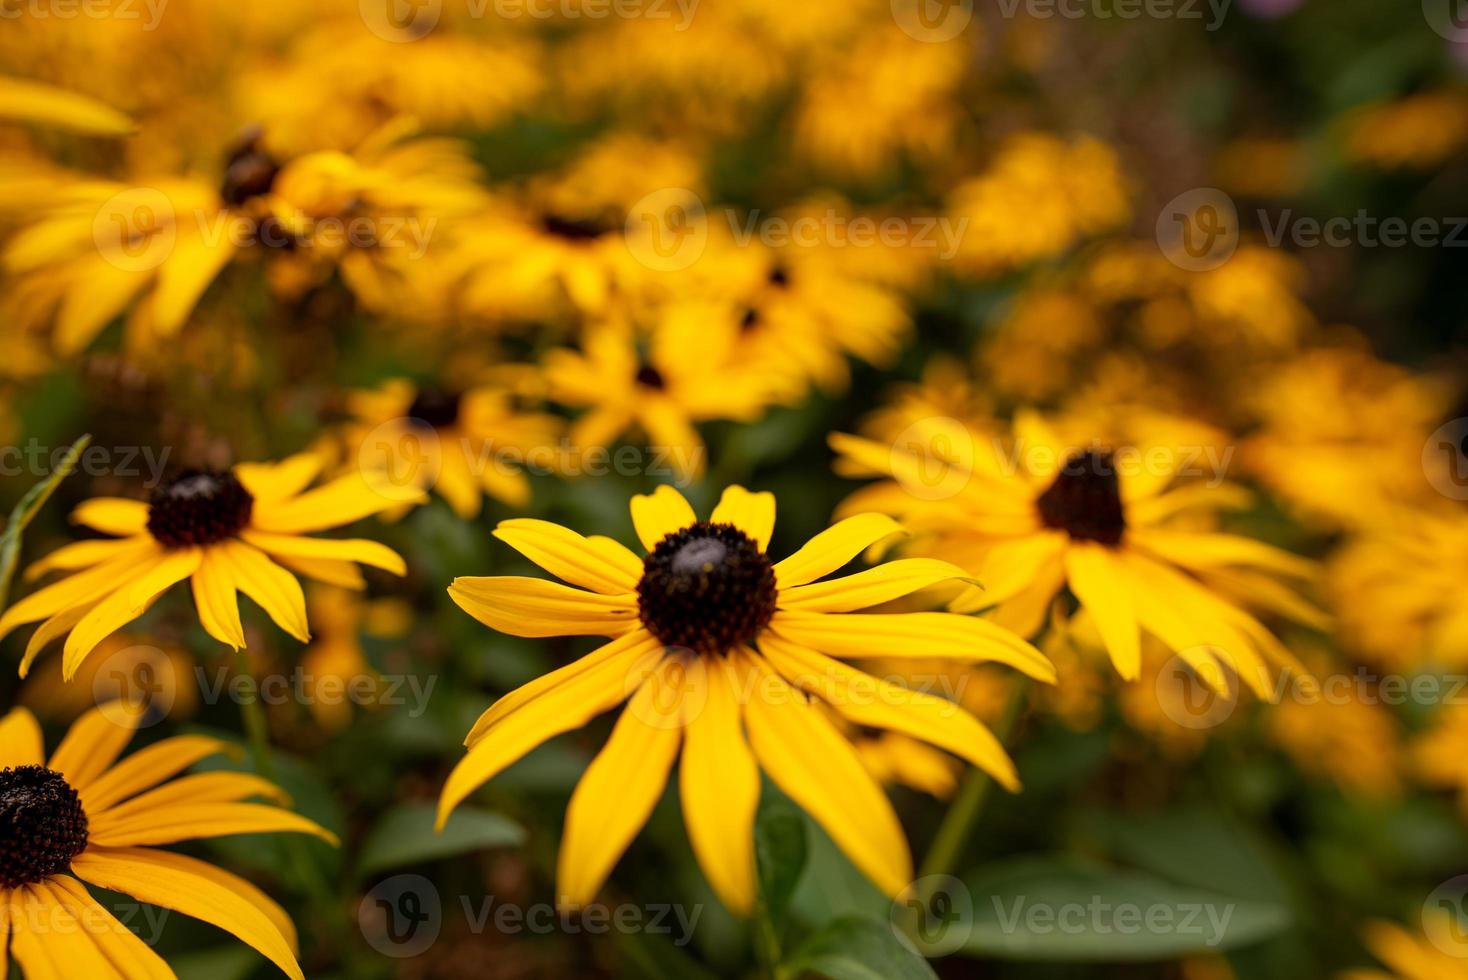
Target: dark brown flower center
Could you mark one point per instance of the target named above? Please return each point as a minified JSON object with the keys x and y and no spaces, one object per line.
{"x":572,"y":229}
{"x":1085,"y":499}
{"x":435,"y":408}
{"x":250,"y":172}
{"x":650,"y":377}
{"x":199,"y":507}
{"x":706,"y":588}
{"x":42,"y":825}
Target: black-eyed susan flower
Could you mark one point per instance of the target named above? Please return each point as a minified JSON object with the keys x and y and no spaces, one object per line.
{"x":1045,"y":514}
{"x":729,"y":661}
{"x":243,"y":529}
{"x":461,"y":444}
{"x":660,"y":395}
{"x":83,"y":816}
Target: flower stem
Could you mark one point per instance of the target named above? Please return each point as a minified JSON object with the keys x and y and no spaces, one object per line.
{"x":963,"y":813}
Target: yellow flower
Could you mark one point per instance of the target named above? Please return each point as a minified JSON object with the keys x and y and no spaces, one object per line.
{"x":1341,"y":434}
{"x":82,"y":816}
{"x":335,"y":666}
{"x":242,"y":529}
{"x":726,"y":659}
{"x":460,"y":444}
{"x":1418,"y":132}
{"x":1408,"y":956}
{"x":1098,"y":518}
{"x":1040,"y":197}
{"x":661,"y":395}
{"x":1437,"y":754}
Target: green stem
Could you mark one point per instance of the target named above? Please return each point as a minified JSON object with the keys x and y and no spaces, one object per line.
{"x":963,"y":813}
{"x":307,"y":873}
{"x":766,"y":943}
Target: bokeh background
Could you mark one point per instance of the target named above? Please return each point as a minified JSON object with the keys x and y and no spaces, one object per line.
{"x":784,"y":220}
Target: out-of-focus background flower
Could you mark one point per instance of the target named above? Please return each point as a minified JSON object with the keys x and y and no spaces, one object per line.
{"x":538,"y":255}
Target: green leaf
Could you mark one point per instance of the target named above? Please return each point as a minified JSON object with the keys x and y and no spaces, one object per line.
{"x":1060,"y":908}
{"x":780,"y":852}
{"x":222,"y":963}
{"x":1192,"y":846}
{"x":857,"y":949}
{"x":25,"y":511}
{"x":405,"y":836}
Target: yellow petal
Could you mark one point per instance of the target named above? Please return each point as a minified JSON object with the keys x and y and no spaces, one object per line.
{"x":659,"y":514}
{"x":52,"y":629}
{"x":817,"y":768}
{"x":905,"y":635}
{"x":125,"y":605}
{"x":147,"y":768}
{"x":94,"y":742}
{"x":872,"y":587}
{"x":752,"y":513}
{"x":82,"y":588}
{"x":1200,"y":551}
{"x":276,"y":481}
{"x":112,"y":515}
{"x":1012,"y":565}
{"x":599,"y":564}
{"x":202,"y":787}
{"x":82,"y":554}
{"x":175,"y":882}
{"x":834,"y":547}
{"x":128,"y":955}
{"x":33,"y":102}
{"x":195,"y":821}
{"x":192,"y":265}
{"x":624,"y":782}
{"x":214,"y":597}
{"x":332,"y":549}
{"x":273,"y":588}
{"x":630,"y":648}
{"x":874,"y":703}
{"x":342,"y":501}
{"x":535,"y":607}
{"x":40,"y":921}
{"x":1104,"y":589}
{"x":720,"y":787}
{"x":567,"y":706}
{"x":342,"y":574}
{"x":20,"y":740}
{"x":671,"y":433}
